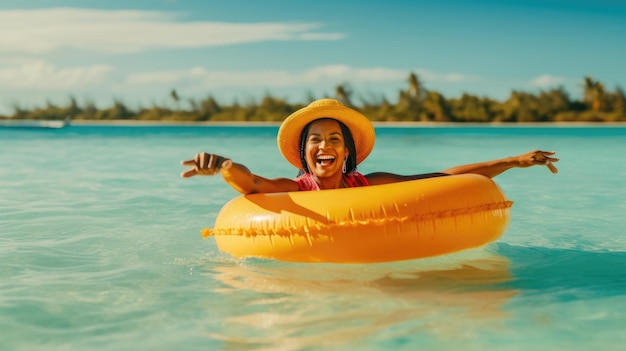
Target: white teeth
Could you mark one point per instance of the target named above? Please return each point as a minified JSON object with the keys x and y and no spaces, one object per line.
{"x":325,"y":159}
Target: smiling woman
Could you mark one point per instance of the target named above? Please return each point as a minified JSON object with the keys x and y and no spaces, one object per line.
{"x":327,"y":143}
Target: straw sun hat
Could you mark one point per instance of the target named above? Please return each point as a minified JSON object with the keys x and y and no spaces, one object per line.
{"x":290,"y":130}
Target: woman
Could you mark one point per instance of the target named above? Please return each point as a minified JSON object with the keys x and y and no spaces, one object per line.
{"x":326,"y":141}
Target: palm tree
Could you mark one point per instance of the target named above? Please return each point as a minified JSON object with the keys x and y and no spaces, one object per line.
{"x":594,"y":93}
{"x":436,"y":107}
{"x":416,"y":90}
{"x":175,"y":97}
{"x":343,"y":94}
{"x":619,"y":102}
{"x":209,"y":107}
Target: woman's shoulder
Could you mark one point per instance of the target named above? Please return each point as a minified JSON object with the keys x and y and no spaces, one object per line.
{"x":306,"y":182}
{"x":355,"y":179}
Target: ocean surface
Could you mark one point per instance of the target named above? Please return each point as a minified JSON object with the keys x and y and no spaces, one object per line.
{"x":100,"y":248}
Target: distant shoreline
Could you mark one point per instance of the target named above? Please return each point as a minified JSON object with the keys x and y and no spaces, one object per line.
{"x":377,"y":124}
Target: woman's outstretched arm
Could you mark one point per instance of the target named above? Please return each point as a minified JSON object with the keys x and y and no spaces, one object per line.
{"x":489,"y":168}
{"x":236,"y":175}
{"x":493,"y":168}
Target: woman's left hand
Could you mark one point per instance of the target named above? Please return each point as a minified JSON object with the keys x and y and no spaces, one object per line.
{"x":538,"y":158}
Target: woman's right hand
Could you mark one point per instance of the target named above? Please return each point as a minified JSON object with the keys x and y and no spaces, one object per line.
{"x":205,"y":164}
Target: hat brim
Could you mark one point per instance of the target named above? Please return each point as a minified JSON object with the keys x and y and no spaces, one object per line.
{"x":291,"y":129}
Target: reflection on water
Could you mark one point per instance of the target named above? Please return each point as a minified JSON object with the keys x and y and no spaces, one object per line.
{"x":284,"y":306}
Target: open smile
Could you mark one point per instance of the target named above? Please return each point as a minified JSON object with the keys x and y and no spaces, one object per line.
{"x":325,"y":160}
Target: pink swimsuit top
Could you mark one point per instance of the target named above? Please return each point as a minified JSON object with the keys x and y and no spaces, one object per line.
{"x":354,"y":179}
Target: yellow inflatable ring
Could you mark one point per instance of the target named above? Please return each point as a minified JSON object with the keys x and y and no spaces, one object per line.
{"x":381,"y":223}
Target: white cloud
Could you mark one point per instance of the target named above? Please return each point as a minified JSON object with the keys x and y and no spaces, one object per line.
{"x":282,"y":78}
{"x":429,"y":76}
{"x":40,"y":75}
{"x":547,"y":81}
{"x":46,"y":30}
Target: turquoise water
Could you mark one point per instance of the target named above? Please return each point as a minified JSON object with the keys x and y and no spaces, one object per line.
{"x":100,"y":249}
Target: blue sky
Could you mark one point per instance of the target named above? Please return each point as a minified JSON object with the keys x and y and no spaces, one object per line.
{"x":138,"y":51}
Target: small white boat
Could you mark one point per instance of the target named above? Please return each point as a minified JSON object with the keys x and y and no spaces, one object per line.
{"x":30,"y":123}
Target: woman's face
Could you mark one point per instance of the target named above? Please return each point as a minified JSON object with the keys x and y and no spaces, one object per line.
{"x":325,"y":148}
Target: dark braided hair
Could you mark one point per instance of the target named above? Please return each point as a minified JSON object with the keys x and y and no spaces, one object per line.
{"x":348,"y":140}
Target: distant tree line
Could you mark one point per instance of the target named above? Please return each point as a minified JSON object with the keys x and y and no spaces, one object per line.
{"x":413,"y":104}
